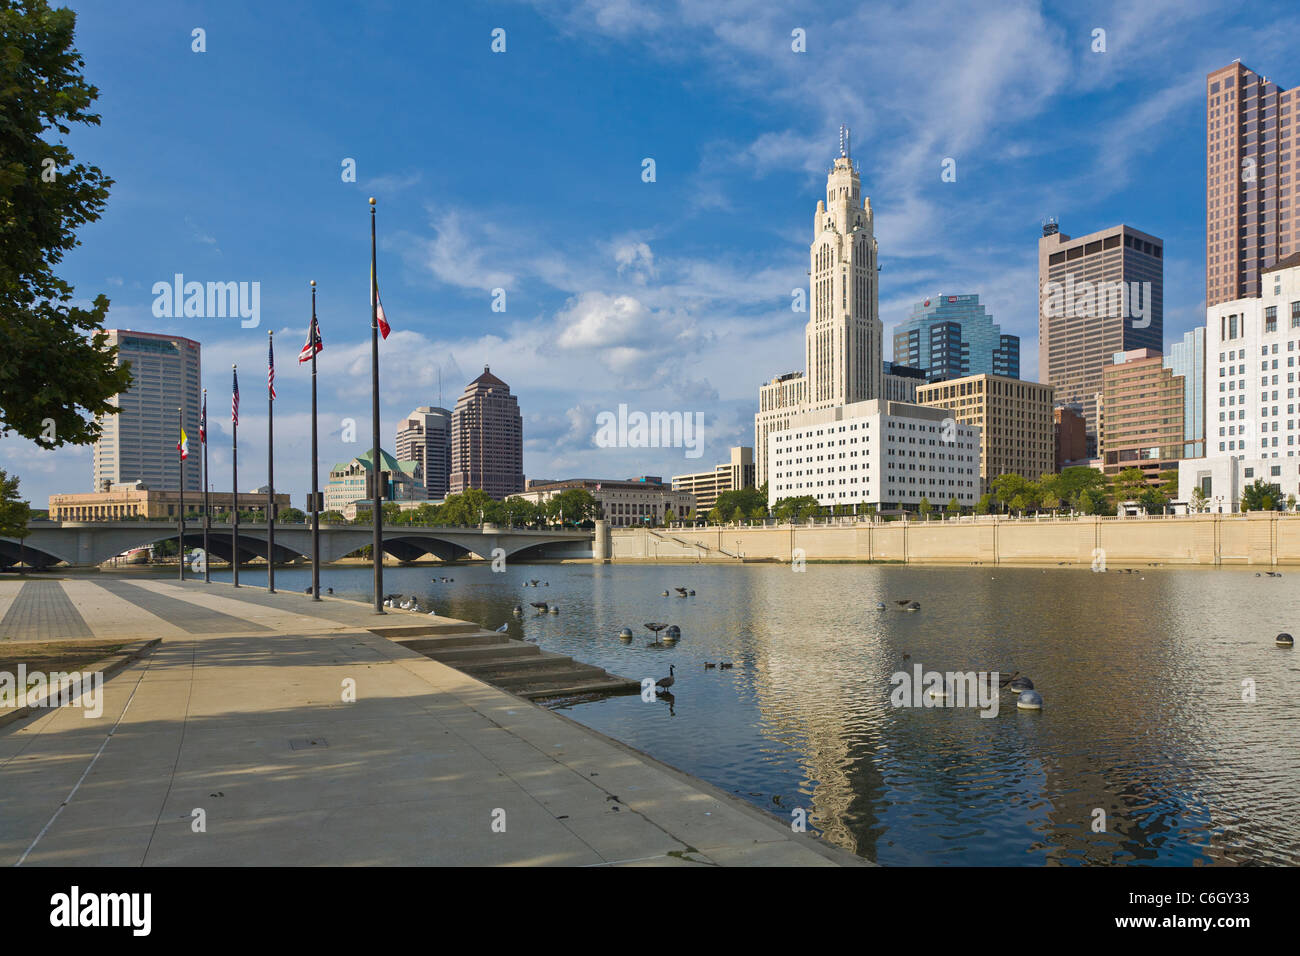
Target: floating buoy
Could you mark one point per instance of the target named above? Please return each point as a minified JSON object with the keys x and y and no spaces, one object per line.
{"x":673,"y":631}
{"x":1030,"y":700}
{"x":880,"y":605}
{"x":553,"y":609}
{"x":1020,"y":684}
{"x":693,"y":590}
{"x":914,"y":606}
{"x":518,"y":611}
{"x":1284,"y":640}
{"x":666,"y":593}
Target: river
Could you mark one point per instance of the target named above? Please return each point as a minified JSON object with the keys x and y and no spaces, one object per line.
{"x":1168,"y":733}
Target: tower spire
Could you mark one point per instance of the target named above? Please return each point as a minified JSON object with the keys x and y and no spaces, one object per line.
{"x":844,"y":142}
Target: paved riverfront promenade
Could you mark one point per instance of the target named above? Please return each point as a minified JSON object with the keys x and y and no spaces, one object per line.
{"x":239,"y":714}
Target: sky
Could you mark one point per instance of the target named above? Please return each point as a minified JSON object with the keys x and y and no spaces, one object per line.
{"x":523,"y":171}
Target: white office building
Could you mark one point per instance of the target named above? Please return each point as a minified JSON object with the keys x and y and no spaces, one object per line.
{"x":882,"y":453}
{"x":1252,"y":415}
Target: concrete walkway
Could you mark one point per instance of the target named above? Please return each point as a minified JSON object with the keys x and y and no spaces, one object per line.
{"x":233,"y":743}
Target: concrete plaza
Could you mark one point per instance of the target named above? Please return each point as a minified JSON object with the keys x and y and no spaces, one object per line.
{"x":233,"y":742}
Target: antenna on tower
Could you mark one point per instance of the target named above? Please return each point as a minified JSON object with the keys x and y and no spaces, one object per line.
{"x":844,"y":141}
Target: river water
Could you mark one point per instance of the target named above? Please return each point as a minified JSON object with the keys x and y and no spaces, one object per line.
{"x":1170,"y":732}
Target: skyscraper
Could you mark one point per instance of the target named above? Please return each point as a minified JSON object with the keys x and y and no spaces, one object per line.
{"x":1098,"y":294}
{"x":842,"y":340}
{"x":1187,"y":358}
{"x":950,"y":336}
{"x":487,"y":439}
{"x":1252,"y":195}
{"x":425,"y":436}
{"x":139,"y":443}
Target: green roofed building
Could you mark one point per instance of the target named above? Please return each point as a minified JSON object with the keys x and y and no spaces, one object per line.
{"x":350,"y":482}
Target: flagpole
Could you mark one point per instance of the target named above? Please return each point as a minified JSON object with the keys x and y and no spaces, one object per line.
{"x":180,"y":452}
{"x":234,"y":480}
{"x":376,"y":504}
{"x":270,"y":465}
{"x":315,"y":508}
{"x":207,"y":503}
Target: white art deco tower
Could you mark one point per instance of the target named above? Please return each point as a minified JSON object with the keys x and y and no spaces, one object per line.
{"x":842,"y":341}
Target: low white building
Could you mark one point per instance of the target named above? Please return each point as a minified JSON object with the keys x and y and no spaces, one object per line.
{"x":1223,"y":478}
{"x":878,"y":453}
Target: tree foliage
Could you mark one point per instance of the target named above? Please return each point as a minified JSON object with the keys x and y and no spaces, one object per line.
{"x":56,"y":366}
{"x":14,"y":512}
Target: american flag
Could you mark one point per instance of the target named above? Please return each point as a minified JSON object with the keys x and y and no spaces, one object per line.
{"x":203,"y":420}
{"x":313,"y":343}
{"x":234,"y":399}
{"x":270,"y":367}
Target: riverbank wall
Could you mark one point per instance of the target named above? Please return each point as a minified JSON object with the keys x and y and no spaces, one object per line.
{"x":1211,"y":540}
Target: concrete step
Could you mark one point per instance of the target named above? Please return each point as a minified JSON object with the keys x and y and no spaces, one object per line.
{"x":611,"y":685}
{"x":560,"y":676}
{"x":425,"y":644}
{"x":487,"y":669}
{"x":426,"y":627}
{"x":456,"y":656}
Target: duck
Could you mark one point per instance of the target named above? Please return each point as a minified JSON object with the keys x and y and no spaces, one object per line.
{"x":540,"y":605}
{"x":664,"y":683}
{"x":708,"y":666}
{"x":725,"y":665}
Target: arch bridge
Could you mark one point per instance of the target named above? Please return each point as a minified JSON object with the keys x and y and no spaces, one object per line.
{"x":90,"y":543}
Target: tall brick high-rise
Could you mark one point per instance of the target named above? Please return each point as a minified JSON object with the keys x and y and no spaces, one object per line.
{"x":487,"y":439}
{"x":1252,"y":192}
{"x":1098,"y":294}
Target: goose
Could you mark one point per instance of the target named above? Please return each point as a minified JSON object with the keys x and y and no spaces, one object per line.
{"x":533,"y":581}
{"x":1020,"y":684}
{"x":664,"y":683}
{"x":708,"y":666}
{"x":681,"y":592}
{"x":725,"y":665}
{"x":540,"y":605}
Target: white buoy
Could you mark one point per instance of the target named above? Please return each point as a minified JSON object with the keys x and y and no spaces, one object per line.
{"x":1284,"y":640}
{"x":1030,"y":700}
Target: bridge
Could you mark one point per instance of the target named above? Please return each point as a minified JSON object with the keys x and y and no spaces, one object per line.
{"x":90,"y":543}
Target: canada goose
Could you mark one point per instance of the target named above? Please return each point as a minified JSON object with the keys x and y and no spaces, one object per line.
{"x":725,"y":665}
{"x":681,"y":592}
{"x":708,"y":666}
{"x":533,"y":581}
{"x":1020,"y":684}
{"x":664,"y":683}
{"x":540,"y":605}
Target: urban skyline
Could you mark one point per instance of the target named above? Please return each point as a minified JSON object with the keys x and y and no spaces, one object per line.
{"x":625,"y":281}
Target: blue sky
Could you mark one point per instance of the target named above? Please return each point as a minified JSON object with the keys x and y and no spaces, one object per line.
{"x":522,"y":170}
